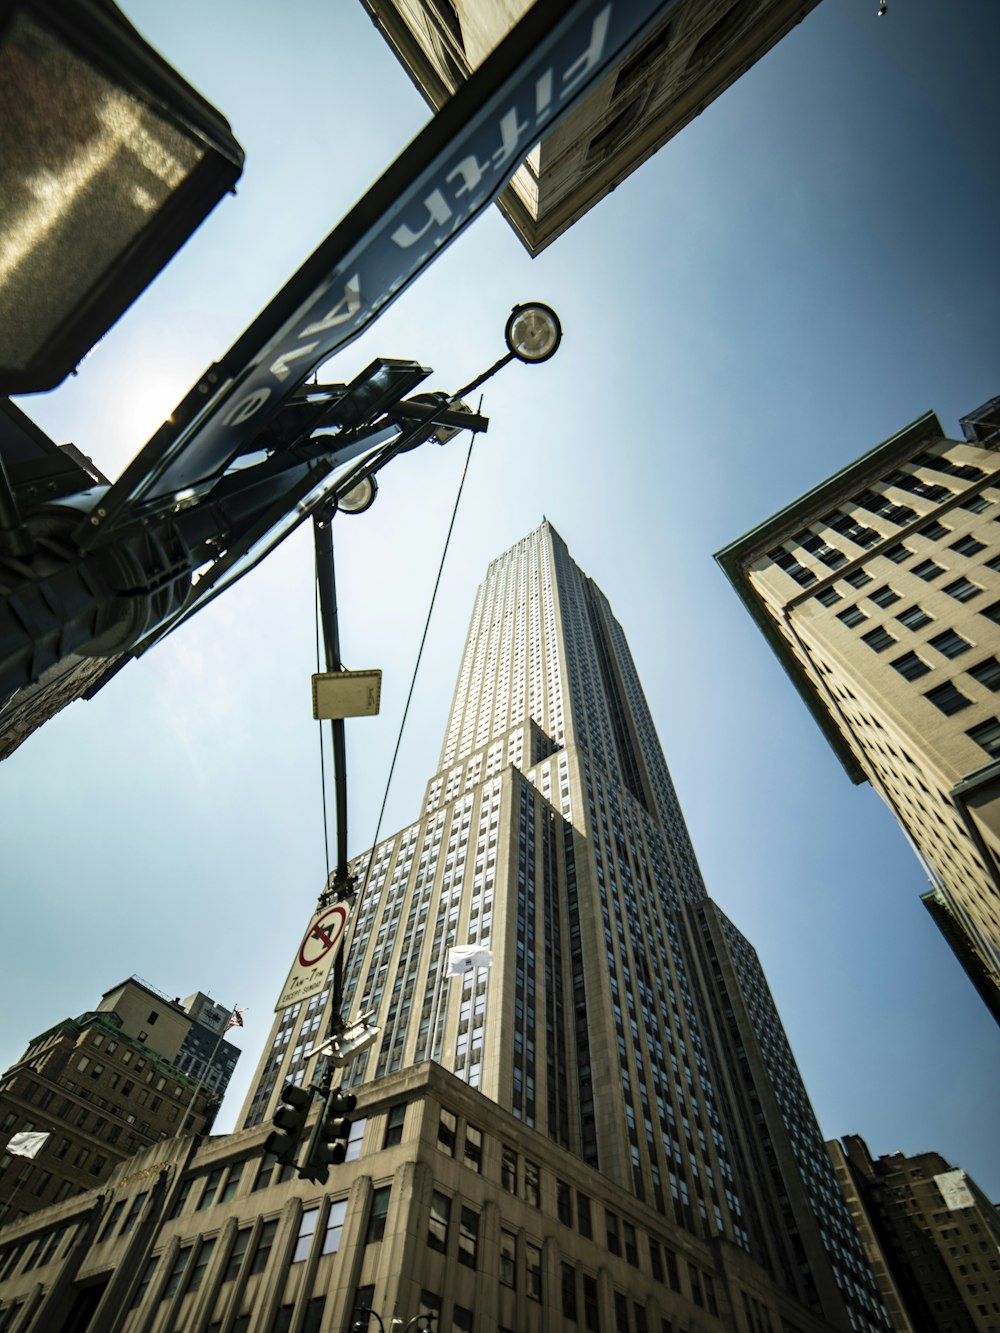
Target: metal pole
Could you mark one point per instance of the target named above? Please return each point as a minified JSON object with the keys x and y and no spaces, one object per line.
{"x":325,"y":574}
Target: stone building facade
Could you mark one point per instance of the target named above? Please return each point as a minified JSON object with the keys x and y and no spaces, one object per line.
{"x":879,"y":591}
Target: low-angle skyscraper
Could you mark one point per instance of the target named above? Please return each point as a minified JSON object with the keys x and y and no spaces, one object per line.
{"x":596,"y":1123}
{"x":879,"y":592}
{"x":694,"y":53}
{"x":104,"y":1085}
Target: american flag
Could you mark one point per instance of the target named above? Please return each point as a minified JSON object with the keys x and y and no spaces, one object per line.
{"x":236,"y":1018}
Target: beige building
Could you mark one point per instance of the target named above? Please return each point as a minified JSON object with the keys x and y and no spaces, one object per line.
{"x":104,"y":1086}
{"x":932,"y":1235}
{"x":879,"y":591}
{"x":691,"y":56}
{"x":446,"y":1205}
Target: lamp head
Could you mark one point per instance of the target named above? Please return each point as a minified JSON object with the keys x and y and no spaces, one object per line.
{"x":359,"y":497}
{"x":533,"y":332}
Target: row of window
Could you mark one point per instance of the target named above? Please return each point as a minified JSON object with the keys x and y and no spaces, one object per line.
{"x":861,"y":535}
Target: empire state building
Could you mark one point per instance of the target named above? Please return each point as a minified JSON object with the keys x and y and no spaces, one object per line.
{"x":624,"y":1019}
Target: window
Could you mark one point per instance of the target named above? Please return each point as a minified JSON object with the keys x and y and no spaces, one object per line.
{"x":532,"y":1190}
{"x":567,"y":1285}
{"x":429,"y":1304}
{"x":334,"y":1226}
{"x":910,"y":666}
{"x":858,"y":578}
{"x":673,"y":1275}
{"x":987,"y":673}
{"x":109,"y":1225}
{"x":211,"y":1185}
{"x":564,"y":1203}
{"x":267,"y":1166}
{"x":205,"y":1250}
{"x":591,"y":1309}
{"x":992,"y":612}
{"x":611,"y":1227}
{"x":878,"y":640}
{"x":694,"y":1276}
{"x":473,"y":1148}
{"x":232,"y":1182}
{"x":987,"y":735}
{"x":631,"y":1249}
{"x":307,"y":1229}
{"x":884,"y":596}
{"x":363,"y":1303}
{"x":376,"y":1219}
{"x":238,"y":1253}
{"x":354,"y":1142}
{"x":468,"y":1237}
{"x":828,"y":596}
{"x":133,"y":1213}
{"x":144,"y":1282}
{"x":394,"y":1125}
{"x":177,"y":1272}
{"x":508,"y":1170}
{"x":967,"y":545}
{"x":963,"y":590}
{"x":264,"y":1243}
{"x":851,"y":616}
{"x":583,"y":1215}
{"x":898,"y":553}
{"x":975,"y":504}
{"x":950,"y":643}
{"x":437,"y":1227}
{"x":914,"y":617}
{"x":933,"y":530}
{"x":461,"y":1320}
{"x":948,"y":699}
{"x":447,"y":1126}
{"x":508,"y":1258}
{"x":927,"y":570}
{"x":621,"y":1313}
{"x":533,"y":1271}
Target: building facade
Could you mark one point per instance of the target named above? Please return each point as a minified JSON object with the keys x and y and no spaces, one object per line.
{"x":599,"y":1126}
{"x":879,"y":591}
{"x":933,"y":1236}
{"x":103,"y":1086}
{"x":691,"y":56}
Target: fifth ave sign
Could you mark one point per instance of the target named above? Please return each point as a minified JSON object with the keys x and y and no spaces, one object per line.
{"x":446,"y":177}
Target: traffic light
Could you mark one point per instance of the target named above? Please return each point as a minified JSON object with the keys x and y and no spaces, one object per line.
{"x":328,"y":1141}
{"x":290,"y":1118}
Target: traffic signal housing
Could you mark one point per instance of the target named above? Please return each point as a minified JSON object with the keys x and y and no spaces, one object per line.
{"x":328,"y":1141}
{"x":290,"y":1119}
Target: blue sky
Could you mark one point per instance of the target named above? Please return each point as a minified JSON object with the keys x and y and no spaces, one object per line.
{"x":808,"y":267}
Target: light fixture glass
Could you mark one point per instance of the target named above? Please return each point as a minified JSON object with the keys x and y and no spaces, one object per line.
{"x":359,"y":497}
{"x":533,"y":332}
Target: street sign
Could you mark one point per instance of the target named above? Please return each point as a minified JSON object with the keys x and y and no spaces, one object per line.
{"x":446,"y":177}
{"x":339,"y":694}
{"x":311,"y":969}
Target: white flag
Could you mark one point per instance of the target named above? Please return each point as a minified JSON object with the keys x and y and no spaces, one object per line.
{"x":29,"y":1143}
{"x":463,"y":957}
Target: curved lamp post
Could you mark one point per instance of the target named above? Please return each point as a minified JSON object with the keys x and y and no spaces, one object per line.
{"x":420,"y":1323}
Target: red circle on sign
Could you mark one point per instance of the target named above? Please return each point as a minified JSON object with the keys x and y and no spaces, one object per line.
{"x":326,"y":932}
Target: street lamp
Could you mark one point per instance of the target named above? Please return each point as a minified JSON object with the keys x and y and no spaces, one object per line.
{"x":420,"y":1323}
{"x":132,"y":583}
{"x":533,"y":332}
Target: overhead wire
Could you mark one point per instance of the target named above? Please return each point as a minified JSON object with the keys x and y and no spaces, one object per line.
{"x":416,"y":668}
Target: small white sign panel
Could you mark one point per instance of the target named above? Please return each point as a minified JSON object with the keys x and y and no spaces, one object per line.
{"x":954,"y":1190}
{"x":315,"y":957}
{"x":346,"y":694}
